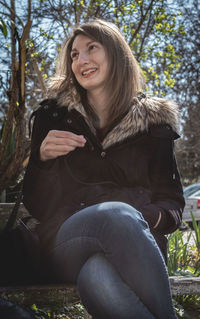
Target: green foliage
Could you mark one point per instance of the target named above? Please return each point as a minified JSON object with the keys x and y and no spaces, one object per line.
{"x":68,"y":312}
{"x":196,"y":227}
{"x":179,"y":254}
{"x":184,"y":260}
{"x":3,"y":28}
{"x":187,"y":306}
{"x":183,"y":256}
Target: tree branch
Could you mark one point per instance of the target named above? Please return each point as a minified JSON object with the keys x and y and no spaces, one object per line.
{"x":12,"y":12}
{"x":40,"y":79}
{"x":141,"y":22}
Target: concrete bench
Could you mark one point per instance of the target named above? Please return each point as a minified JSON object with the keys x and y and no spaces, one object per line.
{"x":55,"y":296}
{"x":180,"y":285}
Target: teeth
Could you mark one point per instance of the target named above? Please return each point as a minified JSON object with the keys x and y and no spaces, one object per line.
{"x":89,"y":71}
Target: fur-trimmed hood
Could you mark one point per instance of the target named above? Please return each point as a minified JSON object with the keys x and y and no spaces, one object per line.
{"x":144,"y":112}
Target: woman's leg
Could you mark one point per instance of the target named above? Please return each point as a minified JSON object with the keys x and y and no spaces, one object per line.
{"x":104,"y":293}
{"x":119,"y":232}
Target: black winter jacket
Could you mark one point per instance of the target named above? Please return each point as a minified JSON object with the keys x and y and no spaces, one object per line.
{"x":134,"y":164}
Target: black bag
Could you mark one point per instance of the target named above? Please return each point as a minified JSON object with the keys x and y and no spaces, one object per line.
{"x":19,"y":251}
{"x":9,"y":310}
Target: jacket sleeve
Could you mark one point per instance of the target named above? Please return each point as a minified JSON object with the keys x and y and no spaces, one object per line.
{"x":164,"y":214}
{"x":40,"y":177}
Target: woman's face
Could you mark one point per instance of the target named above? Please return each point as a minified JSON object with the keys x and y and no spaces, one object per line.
{"x":89,"y":63}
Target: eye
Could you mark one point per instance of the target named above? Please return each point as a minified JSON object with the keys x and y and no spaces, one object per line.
{"x":92,"y":46}
{"x":74,"y":55}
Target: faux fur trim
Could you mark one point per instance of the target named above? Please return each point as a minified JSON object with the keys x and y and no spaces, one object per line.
{"x":145,"y":111}
{"x":72,"y":101}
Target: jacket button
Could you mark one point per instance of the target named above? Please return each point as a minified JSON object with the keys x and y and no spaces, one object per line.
{"x":55,"y":114}
{"x":103,"y":154}
{"x":82,"y":204}
{"x":46,"y":107}
{"x":69,"y":121}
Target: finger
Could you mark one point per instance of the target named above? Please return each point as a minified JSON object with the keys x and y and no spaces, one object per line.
{"x":67,"y":134}
{"x":63,"y":141}
{"x":57,"y":148}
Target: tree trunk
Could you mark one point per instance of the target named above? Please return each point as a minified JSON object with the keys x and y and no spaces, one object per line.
{"x":12,"y":164}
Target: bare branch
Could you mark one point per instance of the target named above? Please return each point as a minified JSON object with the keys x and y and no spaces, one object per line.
{"x":40,"y":79}
{"x":144,"y":36}
{"x":12,"y":13}
{"x":141,"y":22}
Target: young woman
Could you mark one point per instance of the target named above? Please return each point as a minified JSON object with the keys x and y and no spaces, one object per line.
{"x":102,"y":178}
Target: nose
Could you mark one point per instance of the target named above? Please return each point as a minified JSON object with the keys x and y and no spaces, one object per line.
{"x":83,"y":58}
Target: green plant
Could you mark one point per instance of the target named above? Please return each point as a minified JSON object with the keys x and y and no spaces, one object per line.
{"x":187,"y":306}
{"x":179,"y":254}
{"x":75,"y":311}
{"x":196,"y":227}
{"x":184,"y":260}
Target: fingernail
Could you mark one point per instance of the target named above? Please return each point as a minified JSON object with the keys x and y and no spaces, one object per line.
{"x":83,"y":137}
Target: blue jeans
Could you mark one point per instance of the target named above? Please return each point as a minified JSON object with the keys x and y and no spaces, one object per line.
{"x":108,"y":251}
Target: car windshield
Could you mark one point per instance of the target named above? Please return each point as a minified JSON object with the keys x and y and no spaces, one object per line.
{"x":188,"y":191}
{"x":196,"y":194}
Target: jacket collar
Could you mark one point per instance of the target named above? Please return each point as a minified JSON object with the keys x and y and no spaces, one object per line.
{"x":145,"y":112}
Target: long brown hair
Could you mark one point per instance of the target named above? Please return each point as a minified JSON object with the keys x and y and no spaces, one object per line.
{"x":125,"y":78}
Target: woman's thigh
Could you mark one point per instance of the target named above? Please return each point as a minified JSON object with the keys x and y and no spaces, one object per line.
{"x":90,"y":231}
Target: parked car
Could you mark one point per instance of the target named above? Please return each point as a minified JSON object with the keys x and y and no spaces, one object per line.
{"x":191,"y":189}
{"x":192,"y":203}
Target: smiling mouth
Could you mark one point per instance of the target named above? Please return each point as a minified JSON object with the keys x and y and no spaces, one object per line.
{"x":84,"y":73}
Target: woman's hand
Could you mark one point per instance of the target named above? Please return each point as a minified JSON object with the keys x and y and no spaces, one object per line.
{"x":58,"y":143}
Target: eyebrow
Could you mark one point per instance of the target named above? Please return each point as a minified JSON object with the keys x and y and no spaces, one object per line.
{"x":87,"y":44}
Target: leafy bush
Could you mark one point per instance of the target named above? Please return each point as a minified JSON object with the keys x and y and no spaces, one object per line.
{"x":184,"y":260}
{"x":184,"y":252}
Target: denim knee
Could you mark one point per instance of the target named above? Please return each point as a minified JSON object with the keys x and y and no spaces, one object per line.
{"x":121,"y":216}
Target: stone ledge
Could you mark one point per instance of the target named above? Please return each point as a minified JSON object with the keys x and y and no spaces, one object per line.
{"x":185,"y":285}
{"x":68,"y":293}
{"x":41,"y":295}
{"x":59,"y":295}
